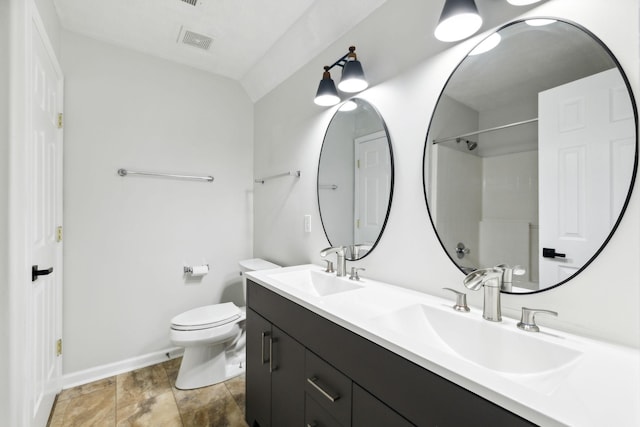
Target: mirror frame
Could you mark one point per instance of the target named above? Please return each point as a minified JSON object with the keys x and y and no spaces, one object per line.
{"x":635,"y":161}
{"x":391,"y":182}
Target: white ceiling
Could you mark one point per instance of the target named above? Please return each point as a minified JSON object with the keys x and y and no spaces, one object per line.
{"x":250,"y":37}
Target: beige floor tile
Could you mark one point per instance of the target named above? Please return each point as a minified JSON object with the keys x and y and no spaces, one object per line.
{"x":157,"y":411}
{"x":145,"y":397}
{"x":190,"y":400}
{"x":141,"y":384}
{"x":172,"y":364}
{"x":236,"y":387}
{"x":97,"y":409}
{"x":222,"y":411}
{"x":87,"y":388}
{"x":57,"y":413}
{"x":172,"y":367}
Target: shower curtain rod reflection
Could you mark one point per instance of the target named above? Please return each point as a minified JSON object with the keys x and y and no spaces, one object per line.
{"x":125,"y":172}
{"x":510,"y":125}
{"x":327,"y":186}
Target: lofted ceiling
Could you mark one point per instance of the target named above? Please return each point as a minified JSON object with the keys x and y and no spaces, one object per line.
{"x":231,"y":38}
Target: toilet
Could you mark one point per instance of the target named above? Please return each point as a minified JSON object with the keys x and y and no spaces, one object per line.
{"x":213,"y":338}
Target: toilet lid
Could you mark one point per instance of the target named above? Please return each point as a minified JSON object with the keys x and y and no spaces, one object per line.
{"x":208,"y":316}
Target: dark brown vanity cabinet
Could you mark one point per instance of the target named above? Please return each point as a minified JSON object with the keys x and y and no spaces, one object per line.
{"x":304,"y":370}
{"x":275,"y":364}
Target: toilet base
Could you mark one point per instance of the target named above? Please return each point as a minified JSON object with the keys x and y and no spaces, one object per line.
{"x":207,"y":365}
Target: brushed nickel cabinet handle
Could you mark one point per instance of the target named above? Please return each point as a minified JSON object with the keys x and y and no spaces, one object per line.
{"x":264,"y":335}
{"x":272,"y":367}
{"x":329,"y":395}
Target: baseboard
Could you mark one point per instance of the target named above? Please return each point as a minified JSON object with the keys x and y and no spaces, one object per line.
{"x":105,"y":371}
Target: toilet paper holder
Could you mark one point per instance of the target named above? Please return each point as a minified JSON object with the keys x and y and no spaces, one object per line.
{"x":189,"y":269}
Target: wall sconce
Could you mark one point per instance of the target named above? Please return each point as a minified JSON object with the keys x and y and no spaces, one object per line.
{"x":459,"y":20}
{"x":352,"y":80}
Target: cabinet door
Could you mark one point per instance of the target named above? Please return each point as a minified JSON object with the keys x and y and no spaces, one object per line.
{"x":258,"y":397}
{"x":370,"y":412}
{"x":287,"y":381}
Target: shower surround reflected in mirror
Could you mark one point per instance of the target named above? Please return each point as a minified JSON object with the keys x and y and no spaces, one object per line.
{"x":552,"y":122}
{"x":355,"y":178}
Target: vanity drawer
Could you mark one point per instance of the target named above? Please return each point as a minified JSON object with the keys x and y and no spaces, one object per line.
{"x":316,"y":416}
{"x":369,"y":411}
{"x":328,"y":387}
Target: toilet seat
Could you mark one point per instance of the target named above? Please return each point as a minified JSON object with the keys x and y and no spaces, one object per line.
{"x":209,"y":316}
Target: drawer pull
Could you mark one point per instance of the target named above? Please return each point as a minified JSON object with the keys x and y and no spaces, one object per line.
{"x":331,"y":396}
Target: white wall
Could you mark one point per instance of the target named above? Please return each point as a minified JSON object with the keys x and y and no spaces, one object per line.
{"x":4,"y":204}
{"x":49,"y":17}
{"x":601,"y":302}
{"x":126,"y":239}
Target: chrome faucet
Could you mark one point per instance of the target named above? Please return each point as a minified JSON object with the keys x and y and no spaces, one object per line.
{"x":341,"y":262}
{"x":491,"y":280}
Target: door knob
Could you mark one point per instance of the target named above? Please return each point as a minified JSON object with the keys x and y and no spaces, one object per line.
{"x":35,"y":272}
{"x":551,"y":253}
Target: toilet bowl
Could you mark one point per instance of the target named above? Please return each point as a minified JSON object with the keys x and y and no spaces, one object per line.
{"x":213,"y":338}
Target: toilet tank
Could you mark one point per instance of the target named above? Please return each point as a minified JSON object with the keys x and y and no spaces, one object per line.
{"x":253,"y":264}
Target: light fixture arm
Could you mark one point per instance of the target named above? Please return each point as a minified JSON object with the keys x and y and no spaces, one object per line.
{"x":343,"y":60}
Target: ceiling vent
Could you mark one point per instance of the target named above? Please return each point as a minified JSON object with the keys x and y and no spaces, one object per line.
{"x":197,"y":40}
{"x":191,"y":2}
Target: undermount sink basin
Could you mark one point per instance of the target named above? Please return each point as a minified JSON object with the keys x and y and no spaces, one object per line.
{"x":485,"y":343}
{"x":315,"y":283}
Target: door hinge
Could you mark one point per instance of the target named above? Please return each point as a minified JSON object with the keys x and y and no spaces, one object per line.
{"x":357,"y":223}
{"x":358,"y":164}
{"x":59,"y":120}
{"x":59,"y":347}
{"x":59,"y":234}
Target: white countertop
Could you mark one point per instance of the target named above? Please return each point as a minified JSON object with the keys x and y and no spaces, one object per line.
{"x":601,"y":387}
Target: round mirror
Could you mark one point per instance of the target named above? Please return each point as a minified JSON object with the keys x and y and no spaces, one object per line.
{"x":355,"y":178}
{"x":531,"y":153}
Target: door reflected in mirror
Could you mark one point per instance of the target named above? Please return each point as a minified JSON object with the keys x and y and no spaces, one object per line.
{"x":531,"y":153}
{"x":355,"y":178}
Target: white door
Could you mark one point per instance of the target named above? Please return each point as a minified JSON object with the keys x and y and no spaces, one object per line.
{"x":44,"y":177}
{"x":373,"y":181}
{"x":586,"y":136}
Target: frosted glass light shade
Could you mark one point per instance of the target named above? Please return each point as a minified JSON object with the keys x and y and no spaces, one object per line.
{"x":327,"y":94}
{"x":459,"y":20}
{"x":353,"y":79}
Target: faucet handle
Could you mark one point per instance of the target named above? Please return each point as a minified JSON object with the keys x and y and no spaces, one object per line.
{"x":354,"y":273}
{"x":528,"y":319}
{"x":329,"y":268}
{"x":461,"y":300}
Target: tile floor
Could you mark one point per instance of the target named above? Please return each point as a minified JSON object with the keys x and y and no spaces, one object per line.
{"x":148,"y":397}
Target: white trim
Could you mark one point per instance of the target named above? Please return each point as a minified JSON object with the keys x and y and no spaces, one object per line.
{"x":17,"y":263}
{"x":111,"y":369}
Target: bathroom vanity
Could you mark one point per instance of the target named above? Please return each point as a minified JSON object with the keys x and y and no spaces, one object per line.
{"x":303,"y":366}
{"x":323,"y":350}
